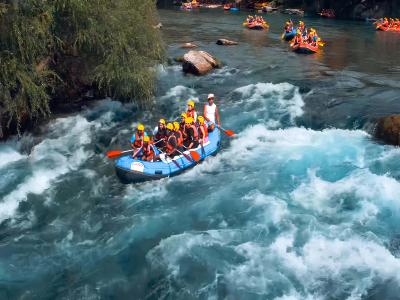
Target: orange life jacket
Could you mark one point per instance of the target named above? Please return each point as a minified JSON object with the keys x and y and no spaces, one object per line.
{"x":203,"y":130}
{"x":195,"y":132}
{"x":138,"y":140}
{"x":170,"y":143}
{"x":147,"y":150}
{"x":179,"y":138}
{"x":191,"y":113}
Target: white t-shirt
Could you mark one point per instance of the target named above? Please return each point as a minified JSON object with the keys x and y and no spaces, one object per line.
{"x":210,"y":112}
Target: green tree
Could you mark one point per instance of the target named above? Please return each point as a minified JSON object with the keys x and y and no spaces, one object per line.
{"x":113,"y":41}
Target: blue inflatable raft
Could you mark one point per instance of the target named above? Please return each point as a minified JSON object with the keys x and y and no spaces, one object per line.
{"x":131,"y":170}
{"x":289,"y":35}
{"x":234,"y":9}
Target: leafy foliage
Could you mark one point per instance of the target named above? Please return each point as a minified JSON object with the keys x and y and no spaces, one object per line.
{"x":114,"y":39}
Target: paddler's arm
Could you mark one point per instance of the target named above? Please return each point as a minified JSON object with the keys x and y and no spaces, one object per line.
{"x":217,"y":116}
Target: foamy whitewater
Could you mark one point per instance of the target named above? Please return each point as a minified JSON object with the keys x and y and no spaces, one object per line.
{"x":302,"y":204}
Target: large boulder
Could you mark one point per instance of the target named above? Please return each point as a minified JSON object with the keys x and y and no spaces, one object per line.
{"x":225,"y":42}
{"x":388,"y":129}
{"x":199,"y":62}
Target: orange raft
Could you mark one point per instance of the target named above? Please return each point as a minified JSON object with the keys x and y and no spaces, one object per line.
{"x":256,"y":25}
{"x":387,"y":28}
{"x":305,"y":48}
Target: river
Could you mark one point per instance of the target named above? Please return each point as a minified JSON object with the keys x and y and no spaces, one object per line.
{"x":302,"y":204}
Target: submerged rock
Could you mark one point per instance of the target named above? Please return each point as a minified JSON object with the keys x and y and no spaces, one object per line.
{"x":388,"y":129}
{"x":188,"y":46}
{"x":225,"y":42}
{"x":199,"y":62}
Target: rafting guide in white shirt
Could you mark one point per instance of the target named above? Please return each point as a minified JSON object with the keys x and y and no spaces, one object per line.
{"x":211,"y":114}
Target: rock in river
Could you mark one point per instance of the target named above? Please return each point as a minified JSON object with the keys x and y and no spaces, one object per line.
{"x":199,"y":62}
{"x":188,"y":46}
{"x":388,"y":129}
{"x":225,"y":42}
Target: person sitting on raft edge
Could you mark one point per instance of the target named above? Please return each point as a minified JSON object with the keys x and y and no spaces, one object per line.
{"x":211,"y":114}
{"x":191,"y":136}
{"x":137,"y":137}
{"x":191,"y":112}
{"x":179,"y":135}
{"x":148,"y":150}
{"x":171,"y":143}
{"x":203,"y":130}
{"x":160,"y":134}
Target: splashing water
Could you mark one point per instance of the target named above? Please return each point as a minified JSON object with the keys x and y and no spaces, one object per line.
{"x":301,"y":204}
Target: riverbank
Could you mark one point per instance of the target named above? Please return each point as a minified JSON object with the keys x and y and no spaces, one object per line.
{"x":57,"y":53}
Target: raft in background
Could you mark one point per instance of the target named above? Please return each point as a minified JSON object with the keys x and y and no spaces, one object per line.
{"x":131,"y":170}
{"x":305,"y":48}
{"x":256,"y":25}
{"x":380,"y":27}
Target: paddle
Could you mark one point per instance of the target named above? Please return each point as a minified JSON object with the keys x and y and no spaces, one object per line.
{"x":136,"y":153}
{"x":194,"y":155}
{"x":116,"y":153}
{"x":226,"y":131}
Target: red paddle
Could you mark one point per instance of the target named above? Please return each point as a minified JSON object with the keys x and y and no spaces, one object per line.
{"x":116,"y":153}
{"x":227,"y":131}
{"x":195,"y":155}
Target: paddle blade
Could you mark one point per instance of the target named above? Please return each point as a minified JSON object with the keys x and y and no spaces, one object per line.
{"x":282,"y":36}
{"x":114,"y":153}
{"x":229,"y":132}
{"x":195,"y":155}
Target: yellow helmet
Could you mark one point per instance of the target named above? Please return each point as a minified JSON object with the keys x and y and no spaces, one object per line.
{"x":140,"y":127}
{"x":200,"y":119}
{"x":170,"y":126}
{"x":176,"y":126}
{"x":191,"y":103}
{"x":301,"y":22}
{"x":183,"y":115}
{"x":189,"y":120}
{"x":146,"y":139}
{"x":162,"y":121}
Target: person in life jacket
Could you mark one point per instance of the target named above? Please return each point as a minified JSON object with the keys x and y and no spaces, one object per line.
{"x":137,"y":137}
{"x":203,"y":130}
{"x":191,"y":136}
{"x":147,"y":151}
{"x":396,"y":23}
{"x":160,"y":134}
{"x":178,"y":135}
{"x":312,"y":37}
{"x":182,"y":120}
{"x":301,"y":27}
{"x":385,"y":22}
{"x":210,"y":113}
{"x":298,"y":39}
{"x":315,"y":37}
{"x":171,"y":142}
{"x":288,"y":26}
{"x":191,"y":112}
